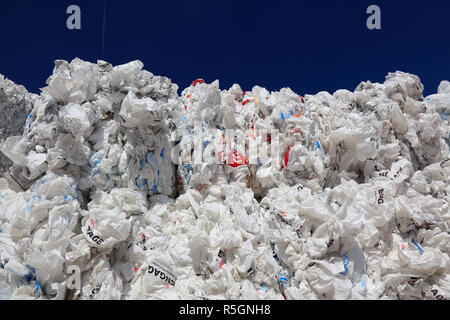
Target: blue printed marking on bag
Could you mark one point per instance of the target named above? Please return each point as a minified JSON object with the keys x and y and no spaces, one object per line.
{"x":346,"y":262}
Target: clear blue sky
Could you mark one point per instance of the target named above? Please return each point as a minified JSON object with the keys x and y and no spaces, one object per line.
{"x":308,"y":46}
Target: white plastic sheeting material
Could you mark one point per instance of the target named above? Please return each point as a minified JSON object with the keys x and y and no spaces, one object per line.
{"x":15,"y":106}
{"x":350,"y":201}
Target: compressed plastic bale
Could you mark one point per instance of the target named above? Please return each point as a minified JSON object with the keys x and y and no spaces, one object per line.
{"x":82,"y":119}
{"x":15,"y":105}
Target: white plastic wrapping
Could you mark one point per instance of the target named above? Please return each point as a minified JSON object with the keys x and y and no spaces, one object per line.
{"x":16,"y":104}
{"x":341,"y":196}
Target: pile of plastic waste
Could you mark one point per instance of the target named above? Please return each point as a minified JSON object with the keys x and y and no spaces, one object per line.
{"x":120,"y":188}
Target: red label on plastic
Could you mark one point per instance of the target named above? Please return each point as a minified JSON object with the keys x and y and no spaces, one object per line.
{"x":235,"y":159}
{"x":197,"y":81}
{"x":286,"y":158}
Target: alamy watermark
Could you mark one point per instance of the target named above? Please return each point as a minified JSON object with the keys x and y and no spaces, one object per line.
{"x":374,"y":20}
{"x":74,"y":280}
{"x":232,"y":147}
{"x":74,"y":20}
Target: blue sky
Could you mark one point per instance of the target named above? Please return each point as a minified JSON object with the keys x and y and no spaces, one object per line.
{"x":308,"y":46}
